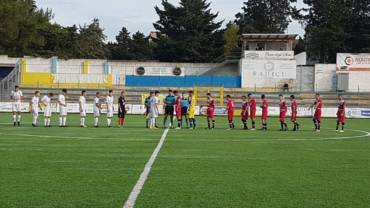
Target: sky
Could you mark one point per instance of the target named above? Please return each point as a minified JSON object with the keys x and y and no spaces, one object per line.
{"x":133,"y":14}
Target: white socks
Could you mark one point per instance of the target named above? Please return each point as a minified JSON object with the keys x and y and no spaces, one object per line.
{"x":16,"y":118}
{"x":82,"y":121}
{"x":62,"y":121}
{"x":96,"y":121}
{"x":34,"y":120}
{"x":47,"y":122}
{"x":152,"y":123}
{"x":109,"y":121}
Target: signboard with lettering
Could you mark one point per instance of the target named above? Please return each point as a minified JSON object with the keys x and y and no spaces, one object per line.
{"x":353,"y":62}
{"x":267,"y":73}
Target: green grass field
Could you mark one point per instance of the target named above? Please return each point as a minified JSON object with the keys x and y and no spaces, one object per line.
{"x":78,"y":168}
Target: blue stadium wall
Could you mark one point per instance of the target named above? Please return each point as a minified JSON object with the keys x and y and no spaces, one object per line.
{"x":185,"y":81}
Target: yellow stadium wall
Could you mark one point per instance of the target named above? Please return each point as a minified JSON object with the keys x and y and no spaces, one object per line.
{"x":37,"y":79}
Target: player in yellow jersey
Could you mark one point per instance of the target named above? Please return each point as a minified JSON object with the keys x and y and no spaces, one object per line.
{"x":192,"y":103}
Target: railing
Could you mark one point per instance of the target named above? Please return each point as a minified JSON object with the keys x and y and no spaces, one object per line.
{"x":9,"y":82}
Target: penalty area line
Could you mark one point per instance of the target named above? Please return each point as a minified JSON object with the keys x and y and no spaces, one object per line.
{"x":130,"y":203}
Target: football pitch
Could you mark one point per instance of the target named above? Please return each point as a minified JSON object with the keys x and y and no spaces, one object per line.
{"x":77,"y":168}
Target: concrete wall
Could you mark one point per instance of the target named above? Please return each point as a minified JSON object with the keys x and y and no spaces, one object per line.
{"x":7,"y":61}
{"x":119,"y":69}
{"x":325,"y":78}
{"x":359,"y":81}
{"x":305,"y":79}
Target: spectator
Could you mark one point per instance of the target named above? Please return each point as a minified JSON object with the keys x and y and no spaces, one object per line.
{"x":286,"y":87}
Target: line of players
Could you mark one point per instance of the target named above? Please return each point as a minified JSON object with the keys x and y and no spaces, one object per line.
{"x":174,"y":104}
{"x":183,"y":106}
{"x":249,"y":111}
{"x":37,"y":103}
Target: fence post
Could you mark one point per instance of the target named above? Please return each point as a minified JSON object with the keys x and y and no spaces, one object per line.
{"x":358,"y":89}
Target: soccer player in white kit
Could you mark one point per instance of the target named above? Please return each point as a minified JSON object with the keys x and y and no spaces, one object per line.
{"x":110,"y":107}
{"x":62,"y":108}
{"x":97,"y":109}
{"x":82,"y":104}
{"x":154,"y":111}
{"x":46,"y":100}
{"x":16,"y":96}
{"x":35,"y":107}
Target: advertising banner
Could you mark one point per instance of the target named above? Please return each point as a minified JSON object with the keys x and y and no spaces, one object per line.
{"x":269,"y":55}
{"x":267,"y":73}
{"x":199,"y":110}
{"x":159,"y":71}
{"x":353,"y":62}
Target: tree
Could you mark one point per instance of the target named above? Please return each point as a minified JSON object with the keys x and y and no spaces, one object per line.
{"x":265,"y":16}
{"x":188,"y":32}
{"x":326,"y":23}
{"x":91,"y":41}
{"x":140,"y":48}
{"x":231,"y":37}
{"x":300,"y":47}
{"x":61,"y":41}
{"x":20,"y":27}
{"x":358,"y":27}
{"x":120,"y":50}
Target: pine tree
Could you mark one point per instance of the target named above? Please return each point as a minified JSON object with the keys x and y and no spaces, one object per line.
{"x":265,"y":16}
{"x":326,"y":23}
{"x":140,"y":48}
{"x":120,"y":49}
{"x":188,"y":32}
{"x":21,"y":23}
{"x":91,"y":41}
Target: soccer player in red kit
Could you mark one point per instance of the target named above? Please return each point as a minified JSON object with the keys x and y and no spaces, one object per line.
{"x":178,"y":106}
{"x":252,"y":110}
{"x":341,"y":114}
{"x":245,"y":113}
{"x":265,"y":110}
{"x":210,"y":111}
{"x":230,"y":108}
{"x":283,"y":110}
{"x":318,"y":112}
{"x":294,"y":116}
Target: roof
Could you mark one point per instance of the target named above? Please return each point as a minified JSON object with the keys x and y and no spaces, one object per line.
{"x":271,"y":36}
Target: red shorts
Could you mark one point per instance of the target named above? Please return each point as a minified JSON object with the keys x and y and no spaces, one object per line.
{"x":244,"y":116}
{"x":264,"y":115}
{"x":341,"y":117}
{"x":317,"y":115}
{"x":282,"y":116}
{"x":178,"y":113}
{"x":211,"y":113}
{"x":230,"y":115}
{"x":253,"y":115}
{"x":293,"y":118}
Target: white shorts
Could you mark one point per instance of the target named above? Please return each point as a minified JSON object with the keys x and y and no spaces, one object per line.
{"x":47,"y":112}
{"x":16,"y":107}
{"x":153,"y":114}
{"x":96,"y":113}
{"x":35,"y":110}
{"x":110,"y":113}
{"x":83,"y":113}
{"x":62,"y":111}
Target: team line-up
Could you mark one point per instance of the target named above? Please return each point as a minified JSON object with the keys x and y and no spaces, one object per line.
{"x":175,"y":105}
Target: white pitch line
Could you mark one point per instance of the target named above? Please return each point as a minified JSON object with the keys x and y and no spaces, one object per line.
{"x":75,"y":138}
{"x":45,"y":136}
{"x":130,"y":203}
